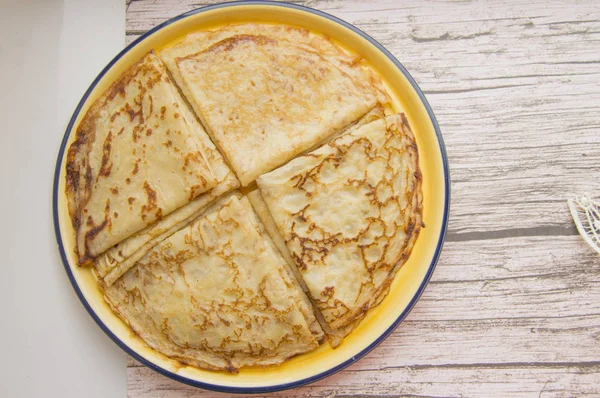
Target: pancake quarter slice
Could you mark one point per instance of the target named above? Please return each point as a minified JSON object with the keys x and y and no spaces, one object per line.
{"x":215,"y":295}
{"x":135,"y":159}
{"x":265,"y":99}
{"x":349,"y":214}
{"x":118,"y":259}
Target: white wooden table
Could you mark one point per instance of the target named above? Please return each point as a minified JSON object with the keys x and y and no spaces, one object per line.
{"x":513,"y":308}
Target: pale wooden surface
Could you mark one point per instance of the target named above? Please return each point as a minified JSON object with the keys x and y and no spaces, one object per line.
{"x":513,"y":308}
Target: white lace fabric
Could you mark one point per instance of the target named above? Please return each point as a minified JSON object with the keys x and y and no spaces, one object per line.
{"x":586,"y":214}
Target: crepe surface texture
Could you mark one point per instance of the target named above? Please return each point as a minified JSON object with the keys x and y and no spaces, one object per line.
{"x":330,"y":204}
{"x":215,"y":295}
{"x":119,"y":258}
{"x":134,"y":159}
{"x":266,"y":93}
{"x":349,"y":213}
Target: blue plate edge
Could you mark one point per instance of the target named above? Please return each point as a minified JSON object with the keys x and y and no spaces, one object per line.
{"x":279,"y":387}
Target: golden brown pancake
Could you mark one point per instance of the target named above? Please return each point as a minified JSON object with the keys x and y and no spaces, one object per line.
{"x":118,"y":259}
{"x":349,"y":213}
{"x":216,"y":295}
{"x":265,"y":98}
{"x":134,"y":159}
{"x":350,"y":63}
{"x":219,"y":279}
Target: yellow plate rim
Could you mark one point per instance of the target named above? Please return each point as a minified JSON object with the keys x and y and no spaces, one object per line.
{"x":278,"y":387}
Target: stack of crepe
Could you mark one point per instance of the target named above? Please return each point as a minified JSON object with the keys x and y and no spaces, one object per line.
{"x":328,"y":208}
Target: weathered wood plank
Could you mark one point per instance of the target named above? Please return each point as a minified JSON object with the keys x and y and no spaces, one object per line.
{"x":464,"y":342}
{"x":511,"y":380}
{"x":513,"y":308}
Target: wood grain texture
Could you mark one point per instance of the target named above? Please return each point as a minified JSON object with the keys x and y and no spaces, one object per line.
{"x":513,"y":308}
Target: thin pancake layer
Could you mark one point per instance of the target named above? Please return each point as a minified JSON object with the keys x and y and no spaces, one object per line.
{"x":265,"y":99}
{"x":118,"y":259}
{"x":262,"y":211}
{"x":292,"y":277}
{"x":349,"y":213}
{"x":134,"y":159}
{"x":215,"y":295}
{"x":352,"y":64}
